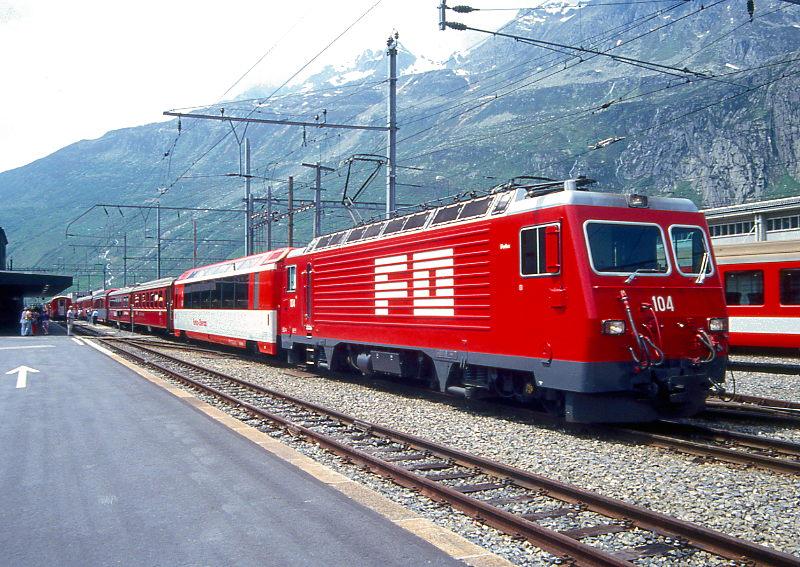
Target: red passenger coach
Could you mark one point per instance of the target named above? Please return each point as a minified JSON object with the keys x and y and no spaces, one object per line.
{"x":233,"y":303}
{"x":151,"y":303}
{"x":119,"y":311}
{"x":100,"y":304}
{"x":596,"y":306}
{"x":762,"y":290}
{"x":84,"y":303}
{"x":58,"y":306}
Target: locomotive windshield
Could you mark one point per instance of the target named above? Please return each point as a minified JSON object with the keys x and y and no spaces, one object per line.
{"x":691,"y":250}
{"x":625,"y":248}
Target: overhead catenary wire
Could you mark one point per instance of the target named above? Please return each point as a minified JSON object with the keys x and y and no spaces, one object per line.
{"x":264,"y":100}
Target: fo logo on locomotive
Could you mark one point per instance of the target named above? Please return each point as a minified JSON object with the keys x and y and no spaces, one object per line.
{"x":431,"y":279}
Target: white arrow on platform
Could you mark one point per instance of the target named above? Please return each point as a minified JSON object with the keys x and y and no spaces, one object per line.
{"x":22,"y":375}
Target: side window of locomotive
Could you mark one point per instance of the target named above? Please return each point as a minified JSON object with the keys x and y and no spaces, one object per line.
{"x":625,"y":248}
{"x":355,"y":234}
{"x":691,"y":251}
{"x":539,"y":250}
{"x":476,"y":208}
{"x":446,"y":214}
{"x":790,"y":287}
{"x":394,"y":225}
{"x":373,"y":230}
{"x":291,"y":278}
{"x":745,"y":287}
{"x":502,"y":203}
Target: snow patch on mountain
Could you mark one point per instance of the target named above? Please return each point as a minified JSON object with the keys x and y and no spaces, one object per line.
{"x":350,"y":76}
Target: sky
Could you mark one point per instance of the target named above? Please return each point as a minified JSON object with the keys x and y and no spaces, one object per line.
{"x":74,"y":70}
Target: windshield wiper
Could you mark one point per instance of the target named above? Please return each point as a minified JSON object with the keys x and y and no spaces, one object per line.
{"x":638,"y":271}
{"x":701,"y":277}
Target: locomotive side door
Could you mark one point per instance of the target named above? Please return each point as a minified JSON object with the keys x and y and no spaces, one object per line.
{"x":308,"y":305}
{"x":290,"y":317}
{"x":540,"y":285}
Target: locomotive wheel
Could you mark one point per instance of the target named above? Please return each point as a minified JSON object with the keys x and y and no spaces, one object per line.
{"x":524,"y":388}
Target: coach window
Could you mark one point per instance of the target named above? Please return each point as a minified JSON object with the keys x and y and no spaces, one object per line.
{"x":691,"y":250}
{"x":539,"y":250}
{"x":291,"y":278}
{"x":745,"y":287}
{"x":242,"y":292}
{"x":227,"y":292}
{"x":790,"y":287}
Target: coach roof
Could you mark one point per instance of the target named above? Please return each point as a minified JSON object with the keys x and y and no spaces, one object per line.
{"x":246,"y":265}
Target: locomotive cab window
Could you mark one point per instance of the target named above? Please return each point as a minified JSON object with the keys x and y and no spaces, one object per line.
{"x":790,"y":287}
{"x":291,"y":278}
{"x":745,"y":287}
{"x":540,"y":250}
{"x":691,"y":250}
{"x":617,"y":248}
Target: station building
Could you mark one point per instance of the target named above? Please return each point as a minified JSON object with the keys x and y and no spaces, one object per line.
{"x":765,"y":221}
{"x":15,"y":287}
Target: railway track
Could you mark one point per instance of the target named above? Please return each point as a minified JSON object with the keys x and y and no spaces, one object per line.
{"x":514,"y":501}
{"x":764,"y":367}
{"x":711,"y":443}
{"x":742,"y":407}
{"x":719,"y":444}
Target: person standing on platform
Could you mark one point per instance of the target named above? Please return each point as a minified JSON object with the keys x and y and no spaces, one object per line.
{"x":23,"y":322}
{"x":34,"y":321}
{"x":70,"y":319}
{"x":44,"y":320}
{"x":95,"y":315}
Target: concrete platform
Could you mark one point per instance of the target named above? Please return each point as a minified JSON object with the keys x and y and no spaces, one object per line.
{"x":99,"y":466}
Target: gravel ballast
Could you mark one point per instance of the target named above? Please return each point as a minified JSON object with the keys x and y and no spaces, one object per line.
{"x":752,"y":504}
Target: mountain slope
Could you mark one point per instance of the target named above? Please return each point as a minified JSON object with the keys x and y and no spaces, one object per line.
{"x":714,"y":134}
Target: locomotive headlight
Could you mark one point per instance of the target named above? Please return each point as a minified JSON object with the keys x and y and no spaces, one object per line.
{"x":613,"y":327}
{"x":718,"y":324}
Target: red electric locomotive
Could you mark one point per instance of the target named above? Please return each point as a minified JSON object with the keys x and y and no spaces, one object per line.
{"x":150,"y":304}
{"x":762,"y":290}
{"x":599,"y":307}
{"x":233,"y":302}
{"x":58,"y":306}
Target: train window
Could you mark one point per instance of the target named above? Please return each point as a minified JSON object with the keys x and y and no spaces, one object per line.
{"x":539,"y":250}
{"x":394,"y":225}
{"x":322,"y":242}
{"x":373,"y":230}
{"x":291,"y":278}
{"x":416,"y":221}
{"x":744,"y":287}
{"x":356,"y":234}
{"x":502,"y":203}
{"x":625,"y":248}
{"x":446,"y":214}
{"x":242,"y":292}
{"x":691,"y":250}
{"x":790,"y":287}
{"x":227,"y":292}
{"x":475,"y":208}
{"x":336,"y":238}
